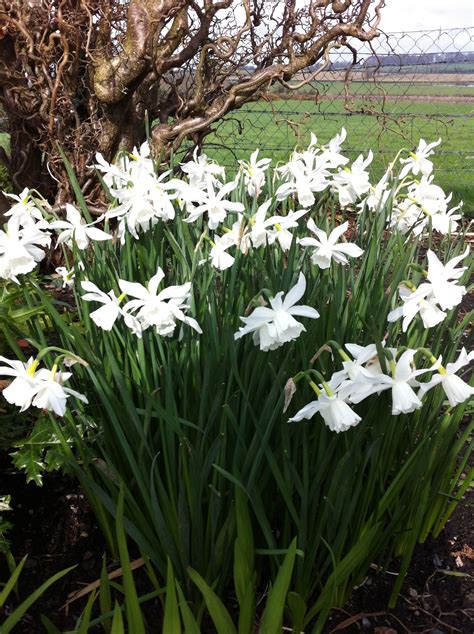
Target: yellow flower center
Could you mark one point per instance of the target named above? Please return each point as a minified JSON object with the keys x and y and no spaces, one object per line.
{"x":32,"y":369}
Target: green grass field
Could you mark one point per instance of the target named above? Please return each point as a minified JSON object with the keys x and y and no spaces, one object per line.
{"x":430,"y":87}
{"x":277,"y":127}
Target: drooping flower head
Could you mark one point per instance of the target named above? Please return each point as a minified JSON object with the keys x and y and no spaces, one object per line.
{"x":327,"y":248}
{"x":336,"y":413}
{"x":454,"y":387}
{"x":272,"y":327}
{"x":75,"y":229}
{"x":158,"y":309}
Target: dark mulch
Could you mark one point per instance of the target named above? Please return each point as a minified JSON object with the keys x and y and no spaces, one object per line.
{"x":56,"y":528}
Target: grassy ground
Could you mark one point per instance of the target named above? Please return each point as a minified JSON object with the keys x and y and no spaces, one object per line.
{"x":431,"y":87}
{"x":279,"y":126}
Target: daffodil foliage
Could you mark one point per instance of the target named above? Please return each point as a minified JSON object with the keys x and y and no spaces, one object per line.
{"x":293,"y":331}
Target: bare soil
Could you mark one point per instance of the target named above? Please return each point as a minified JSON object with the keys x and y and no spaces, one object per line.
{"x":55,"y":527}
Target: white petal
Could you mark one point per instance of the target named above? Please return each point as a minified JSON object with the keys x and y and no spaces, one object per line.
{"x":155,"y":281}
{"x":308,"y":411}
{"x":404,"y":399}
{"x":295,"y":293}
{"x":73,"y":215}
{"x":349,"y":248}
{"x":304,"y":311}
{"x":456,"y":389}
{"x":97,"y":234}
{"x":105,"y":316}
{"x":134,"y":289}
{"x":337,"y":232}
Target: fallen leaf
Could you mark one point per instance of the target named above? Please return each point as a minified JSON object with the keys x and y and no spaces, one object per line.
{"x":459,"y":562}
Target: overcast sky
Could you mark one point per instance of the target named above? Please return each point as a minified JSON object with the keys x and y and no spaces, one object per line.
{"x":411,"y":15}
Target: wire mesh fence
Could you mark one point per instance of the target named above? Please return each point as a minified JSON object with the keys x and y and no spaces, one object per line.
{"x":398,"y":88}
{"x":401,"y":87}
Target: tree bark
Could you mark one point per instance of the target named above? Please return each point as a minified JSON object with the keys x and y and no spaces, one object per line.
{"x":83,"y":74}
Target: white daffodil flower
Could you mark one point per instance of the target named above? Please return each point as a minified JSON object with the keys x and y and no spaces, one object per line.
{"x":259,"y":225}
{"x":351,"y":183}
{"x":331,"y":151}
{"x":162,"y":309}
{"x":21,"y":390}
{"x":426,"y":204}
{"x":25,"y":209}
{"x":363,"y":364}
{"x":401,"y":383}
{"x":378,"y":194}
{"x":140,"y":160}
{"x":254,"y":173}
{"x":76,"y":230}
{"x":272,"y":327}
{"x":200,"y":169}
{"x":274,"y":229}
{"x":365,"y":355}
{"x":326,"y":247}
{"x":417,"y":162}
{"x":446,"y":221}
{"x":443,"y":279}
{"x":113,"y":175}
{"x":407,"y":216}
{"x":432,"y":298}
{"x":360,"y":376}
{"x":214,"y":204}
{"x":336,"y":413}
{"x":50,"y":393}
{"x":66,"y":276}
{"x":454,"y":387}
{"x":106,"y":316}
{"x":239,"y":235}
{"x":19,"y":248}
{"x":218,"y":255}
{"x":281,"y":228}
{"x":305,"y":173}
{"x":428,"y":196}
{"x":134,"y":171}
{"x":143,"y":202}
{"x":416,"y":301}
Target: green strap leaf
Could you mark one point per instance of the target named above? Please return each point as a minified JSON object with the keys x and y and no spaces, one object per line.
{"x":171,"y":620}
{"x":105,"y":596}
{"x":10,"y":584}
{"x":18,"y":614}
{"x":132,"y":606}
{"x":117,"y":623}
{"x":272,"y":620}
{"x":216,"y":608}
{"x":49,"y":626}
{"x":190,"y":623}
{"x":86,"y":615}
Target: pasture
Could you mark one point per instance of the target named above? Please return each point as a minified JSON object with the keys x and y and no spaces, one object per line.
{"x":410,"y":111}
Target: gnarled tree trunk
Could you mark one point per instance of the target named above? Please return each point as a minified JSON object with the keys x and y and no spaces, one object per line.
{"x":83,"y":74}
